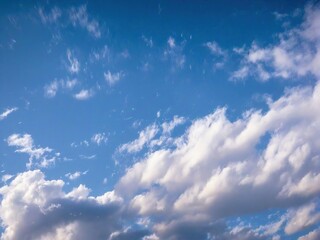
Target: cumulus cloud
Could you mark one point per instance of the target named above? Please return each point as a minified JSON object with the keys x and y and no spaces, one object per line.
{"x":84,"y":94}
{"x":216,"y":170}
{"x":79,"y":17}
{"x":7,"y":112}
{"x":52,"y":213}
{"x":113,"y":78}
{"x":24,"y":144}
{"x":295,"y":54}
{"x":218,"y":161}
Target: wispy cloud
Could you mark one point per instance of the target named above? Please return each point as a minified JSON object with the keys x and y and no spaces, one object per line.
{"x":147,"y":41}
{"x":24,"y":144}
{"x":75,"y":175}
{"x":99,"y":138}
{"x":113,"y":78}
{"x":220,"y":55}
{"x":51,"y":16}
{"x":74,"y":65}
{"x":295,"y":54}
{"x":174,"y":52}
{"x":84,"y":94}
{"x":79,"y":16}
{"x":7,"y":112}
{"x":52,"y":88}
{"x":145,"y":136}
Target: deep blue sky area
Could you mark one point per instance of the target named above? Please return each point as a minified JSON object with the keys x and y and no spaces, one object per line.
{"x":170,"y":120}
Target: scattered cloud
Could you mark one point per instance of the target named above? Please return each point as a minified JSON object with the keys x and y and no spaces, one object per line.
{"x":217,"y":162}
{"x":99,"y":138}
{"x":84,"y":94}
{"x":174,"y":53}
{"x":147,"y":41}
{"x":7,"y":112}
{"x":74,"y":66}
{"x":6,"y":177}
{"x":51,"y":16}
{"x":302,"y":218}
{"x":103,"y":53}
{"x":55,"y":214}
{"x":79,"y":16}
{"x":145,"y":136}
{"x":88,"y":157}
{"x":219,"y":55}
{"x":52,"y":88}
{"x":75,"y":175}
{"x":296,"y":53}
{"x":113,"y":78}
{"x":313,"y":235}
{"x":167,"y":127}
{"x":24,"y":144}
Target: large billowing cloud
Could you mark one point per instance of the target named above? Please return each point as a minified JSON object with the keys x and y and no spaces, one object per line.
{"x":187,"y":188}
{"x":221,"y":168}
{"x":217,"y":169}
{"x":35,"y":208}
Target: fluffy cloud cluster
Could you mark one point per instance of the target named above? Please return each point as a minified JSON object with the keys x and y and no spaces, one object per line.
{"x":24,"y":144}
{"x":296,"y":54}
{"x":216,"y":170}
{"x":35,"y":208}
{"x":219,"y":165}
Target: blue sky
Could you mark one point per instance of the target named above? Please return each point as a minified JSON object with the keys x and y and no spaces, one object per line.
{"x":160,"y":120}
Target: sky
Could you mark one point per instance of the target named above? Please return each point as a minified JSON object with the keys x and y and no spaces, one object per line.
{"x":160,"y":120}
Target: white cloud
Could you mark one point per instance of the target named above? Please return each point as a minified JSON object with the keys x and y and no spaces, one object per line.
{"x":24,"y":144}
{"x":52,"y":89}
{"x":171,"y":42}
{"x":50,"y":17}
{"x":147,"y":41}
{"x":167,"y":127}
{"x":302,"y":218}
{"x":241,"y":73}
{"x":145,"y":136}
{"x":103,"y":53}
{"x":214,"y":48}
{"x":84,"y":94}
{"x":79,"y":16}
{"x":75,"y":175}
{"x":217,"y":169}
{"x":174,"y":53}
{"x":99,"y":138}
{"x":6,"y":177}
{"x":53,"y":213}
{"x":296,"y":54}
{"x":74,"y":66}
{"x":7,"y":112}
{"x":219,"y":55}
{"x":313,"y":235}
{"x":113,"y":78}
